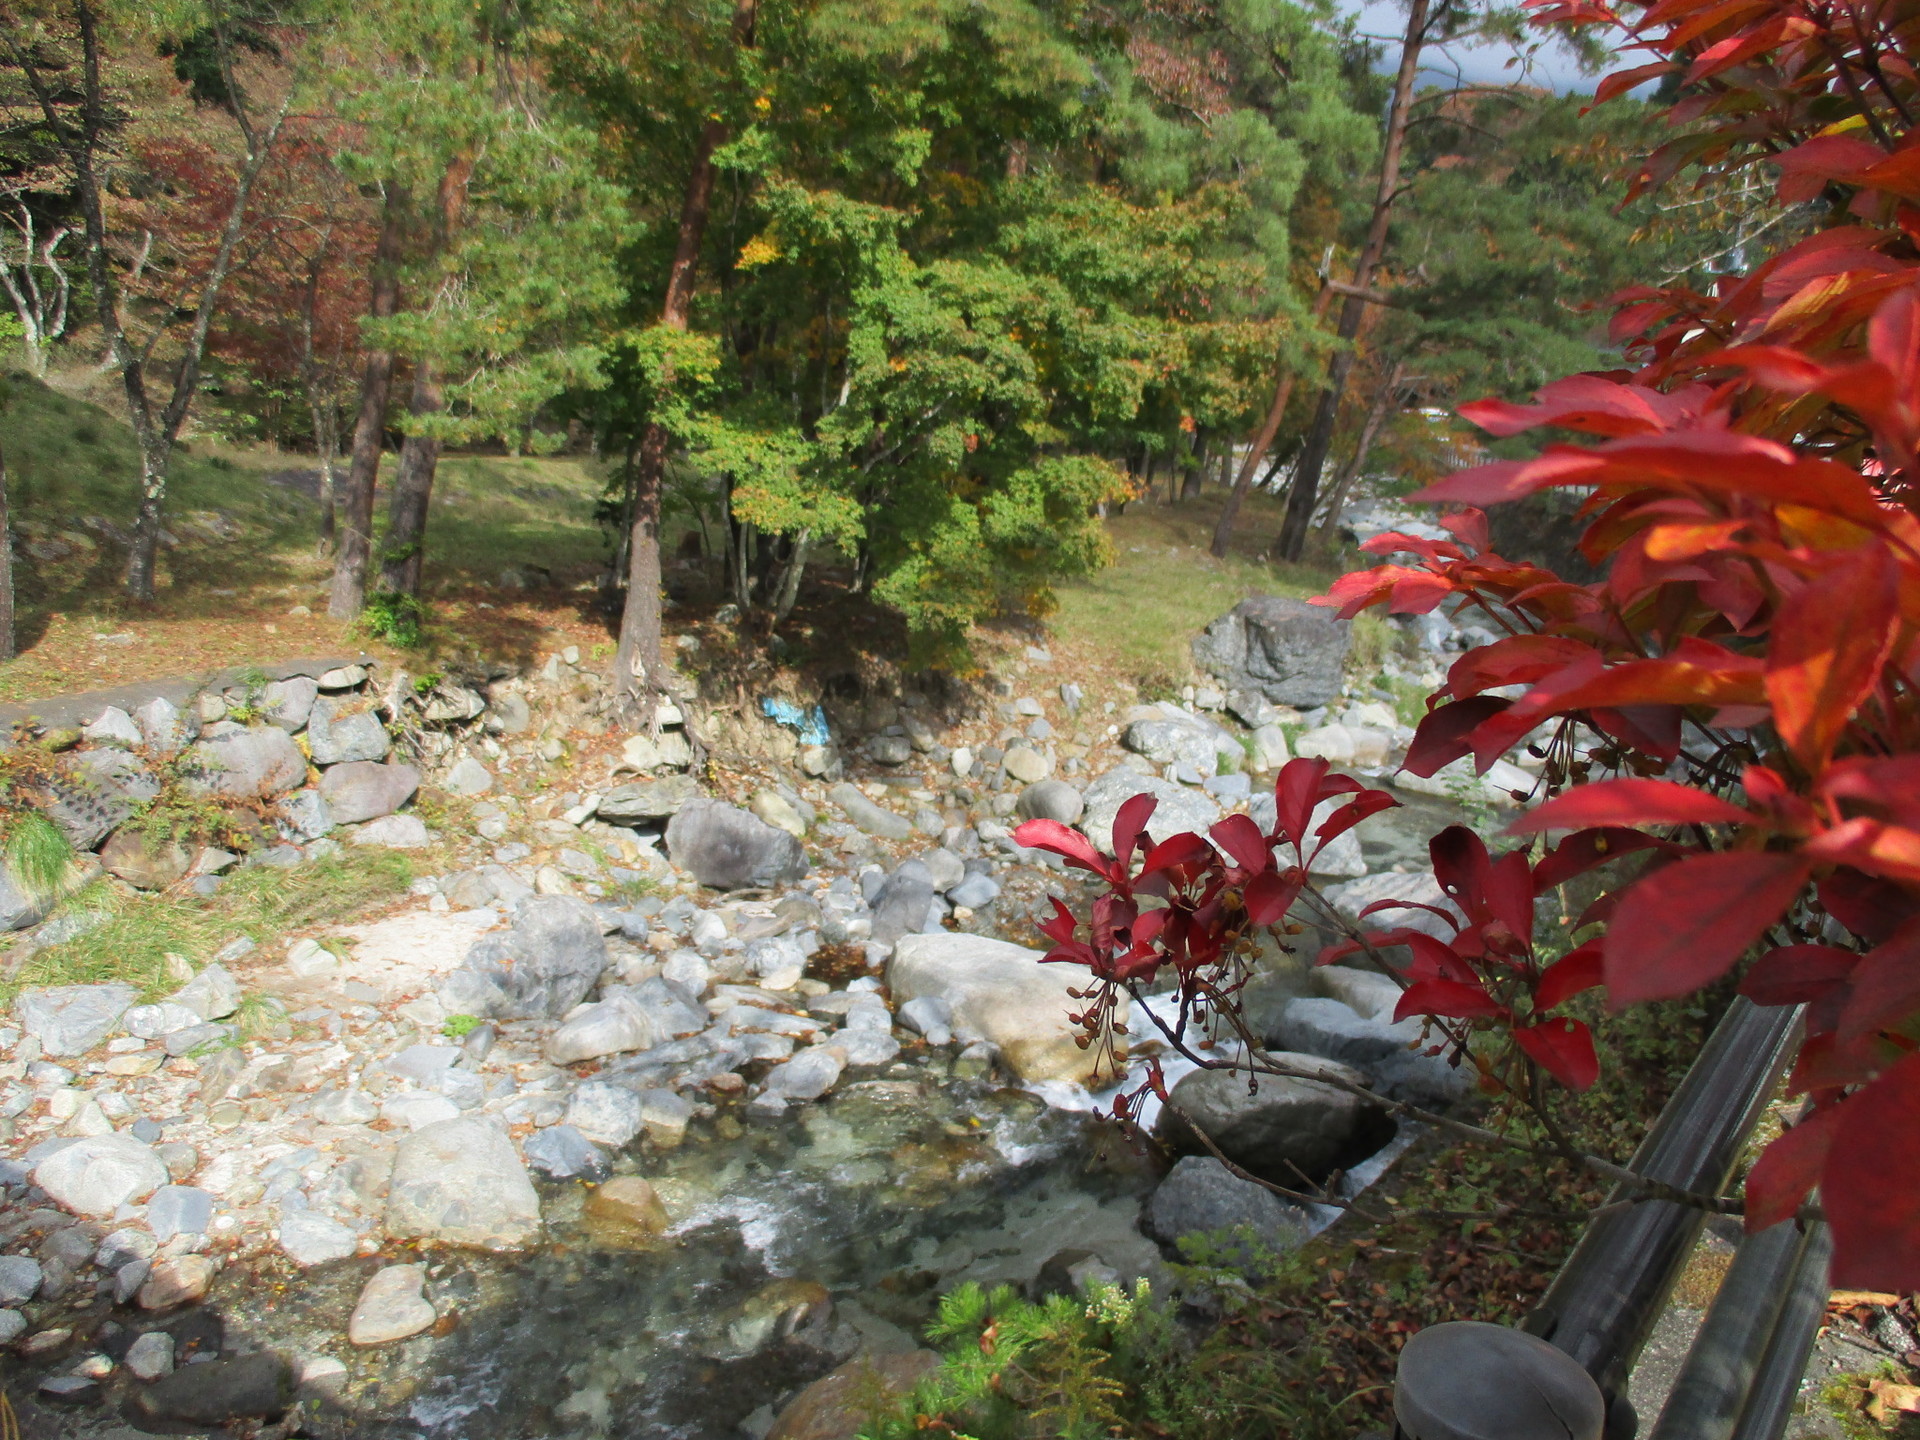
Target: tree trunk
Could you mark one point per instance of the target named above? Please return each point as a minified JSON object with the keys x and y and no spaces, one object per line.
{"x":412,"y":491}
{"x":1313,"y":454}
{"x":639,"y":669}
{"x":7,"y":642}
{"x":1196,"y":474}
{"x":369,"y":428}
{"x":790,"y":577}
{"x":1260,"y":444}
{"x":1369,"y":432}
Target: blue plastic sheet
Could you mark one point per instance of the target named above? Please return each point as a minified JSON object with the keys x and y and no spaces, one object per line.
{"x":812,"y":724}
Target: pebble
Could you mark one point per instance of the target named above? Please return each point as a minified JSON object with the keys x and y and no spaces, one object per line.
{"x":391,"y":1306}
{"x":310,"y":1238}
{"x":150,"y":1356}
{"x":179,"y":1281}
{"x":20,"y":1278}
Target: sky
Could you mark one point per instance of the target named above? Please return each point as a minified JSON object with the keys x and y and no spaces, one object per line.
{"x":1553,"y":66}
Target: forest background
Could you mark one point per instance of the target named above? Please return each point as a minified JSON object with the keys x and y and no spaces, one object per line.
{"x":899,"y":302}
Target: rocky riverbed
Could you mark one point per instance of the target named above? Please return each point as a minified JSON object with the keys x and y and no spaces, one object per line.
{"x":659,"y":1097}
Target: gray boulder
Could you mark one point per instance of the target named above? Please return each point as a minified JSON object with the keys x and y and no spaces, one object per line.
{"x":19,"y":1279}
{"x":95,"y":792}
{"x":163,"y":727}
{"x":605,"y":1113}
{"x":563,"y":1152}
{"x":1051,"y":800}
{"x":338,"y":735}
{"x":286,"y":704}
{"x":901,"y":906}
{"x":394,"y":832}
{"x":310,"y":1238}
{"x":1287,"y":650}
{"x":113,"y":726}
{"x":72,"y":1019}
{"x":461,"y":1182}
{"x":467,"y":777}
{"x":99,"y":1174}
{"x":1189,"y":742}
{"x":242,"y":764}
{"x":538,"y":969}
{"x":1288,"y":1131}
{"x":22,"y":905}
{"x":644,"y":800}
{"x":236,"y":1387}
{"x":1200,"y":1196}
{"x":872,"y":818}
{"x":1387,"y":1052}
{"x":362,"y":790}
{"x":727,"y":848}
{"x":1418,"y":887}
{"x":611,"y":1027}
{"x":1179,"y":808}
{"x":304,"y":815}
{"x":1002,"y":994}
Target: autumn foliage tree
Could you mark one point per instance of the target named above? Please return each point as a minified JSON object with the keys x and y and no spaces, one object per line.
{"x":1730,"y":715}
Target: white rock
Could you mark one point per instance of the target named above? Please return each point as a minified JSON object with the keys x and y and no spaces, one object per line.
{"x":417,"y":1109}
{"x":213,"y":994}
{"x":604,"y":1113}
{"x":310,"y":1238}
{"x":1002,"y":994}
{"x":310,"y":960}
{"x":99,"y":1174}
{"x":391,"y":1306}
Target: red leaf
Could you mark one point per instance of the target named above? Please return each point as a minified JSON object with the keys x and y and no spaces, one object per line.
{"x":1575,"y":972}
{"x":1516,"y":660}
{"x":1629,"y":802}
{"x":1435,"y":959}
{"x":1460,"y":865}
{"x":1446,"y":734}
{"x":1128,"y":823}
{"x":1795,"y":974}
{"x":1828,"y":645}
{"x":1367,"y":802}
{"x":1449,"y":999}
{"x":1176,"y":852}
{"x":1886,"y":987}
{"x":1685,"y":925}
{"x":1788,"y":1169}
{"x":1871,"y":1184}
{"x":1870,"y":907}
{"x":1270,"y":894}
{"x":1508,"y":890}
{"x":1581,"y":852}
{"x":1564,"y":1049}
{"x":1052,"y":835}
{"x":1295,"y":793}
{"x":1243,"y":842}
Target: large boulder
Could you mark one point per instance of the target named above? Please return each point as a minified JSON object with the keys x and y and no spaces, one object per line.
{"x":900,"y":905}
{"x":337,"y":735}
{"x":1179,"y":808}
{"x":1287,"y":1130}
{"x":539,"y":968}
{"x":727,"y":848}
{"x":22,"y":904}
{"x":215,"y":1392}
{"x":287,"y":703}
{"x":1051,"y":800}
{"x":1417,"y":887}
{"x":95,"y":792}
{"x":146,"y":862}
{"x":644,"y":800}
{"x":72,"y":1019}
{"x":1002,"y":994}
{"x":362,"y":790}
{"x":868,"y":816}
{"x":461,"y":1182}
{"x":1389,"y":1053}
{"x":1287,"y":650}
{"x":1200,"y":1196}
{"x":242,"y":764}
{"x":100,"y":1173}
{"x":1168,"y":735}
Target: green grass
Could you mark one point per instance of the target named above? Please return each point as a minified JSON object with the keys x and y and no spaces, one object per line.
{"x":492,"y":513}
{"x":137,"y":932}
{"x":1138,"y":617}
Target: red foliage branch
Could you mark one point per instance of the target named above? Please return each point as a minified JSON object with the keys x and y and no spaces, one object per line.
{"x":1750,"y":658}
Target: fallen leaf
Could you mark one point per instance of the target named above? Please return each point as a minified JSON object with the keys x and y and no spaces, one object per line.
{"x":1842,"y":1299}
{"x":1887,"y":1396}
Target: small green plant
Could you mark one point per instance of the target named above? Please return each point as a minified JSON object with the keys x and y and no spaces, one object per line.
{"x":423,"y":684}
{"x":400,"y":620}
{"x":458,"y":1027}
{"x":626,"y":892}
{"x":38,"y":855}
{"x":257,"y":1016}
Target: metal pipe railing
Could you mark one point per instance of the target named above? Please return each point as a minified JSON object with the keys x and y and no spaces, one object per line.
{"x":1718,"y":1374}
{"x":1603,"y":1304}
{"x":1769,"y":1403}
